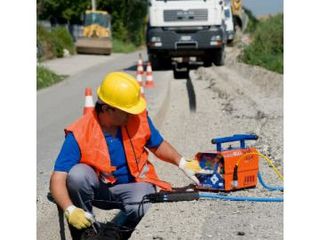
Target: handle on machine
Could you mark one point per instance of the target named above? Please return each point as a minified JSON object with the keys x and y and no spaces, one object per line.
{"x":237,"y":137}
{"x":172,"y":196}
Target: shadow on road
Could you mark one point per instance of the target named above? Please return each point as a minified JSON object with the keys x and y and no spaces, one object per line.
{"x":183,"y":73}
{"x":191,"y":95}
{"x":131,"y":68}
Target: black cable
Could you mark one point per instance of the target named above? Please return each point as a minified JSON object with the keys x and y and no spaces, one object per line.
{"x":140,"y":204}
{"x":134,"y":152}
{"x":119,"y":202}
{"x":143,"y":201}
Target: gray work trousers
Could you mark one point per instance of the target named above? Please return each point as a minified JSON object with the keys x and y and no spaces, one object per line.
{"x":85,"y":190}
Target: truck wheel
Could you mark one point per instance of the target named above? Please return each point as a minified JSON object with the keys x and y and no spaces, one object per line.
{"x":165,"y":63}
{"x":159,"y":63}
{"x":219,"y":58}
{"x":154,"y":62}
{"x":207,"y":62}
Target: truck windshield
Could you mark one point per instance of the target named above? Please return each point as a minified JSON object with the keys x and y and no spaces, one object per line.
{"x":227,"y":13}
{"x":96,"y":18}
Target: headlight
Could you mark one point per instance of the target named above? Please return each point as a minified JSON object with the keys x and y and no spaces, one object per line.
{"x":155,"y":39}
{"x":216,"y":38}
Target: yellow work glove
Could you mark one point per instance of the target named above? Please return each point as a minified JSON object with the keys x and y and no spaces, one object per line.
{"x":191,"y":167}
{"x":78,"y":218}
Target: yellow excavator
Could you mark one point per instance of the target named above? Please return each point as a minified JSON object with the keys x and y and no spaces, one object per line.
{"x":238,"y":14}
{"x":96,"y":35}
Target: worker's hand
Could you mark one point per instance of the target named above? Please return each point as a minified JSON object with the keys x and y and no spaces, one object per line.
{"x":78,"y":218}
{"x":190,"y":167}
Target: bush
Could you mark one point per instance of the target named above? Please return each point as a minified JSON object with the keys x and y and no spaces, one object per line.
{"x":52,"y":43}
{"x":122,"y":47}
{"x":252,"y":21}
{"x":60,"y":37}
{"x":266,"y":49}
{"x":44,"y":43}
{"x":46,"y":77}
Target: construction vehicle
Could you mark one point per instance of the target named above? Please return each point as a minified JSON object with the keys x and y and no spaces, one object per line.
{"x":184,"y":31}
{"x":96,"y":35}
{"x":240,"y":19}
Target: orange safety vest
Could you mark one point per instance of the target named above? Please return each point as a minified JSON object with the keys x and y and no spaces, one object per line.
{"x":94,"y":150}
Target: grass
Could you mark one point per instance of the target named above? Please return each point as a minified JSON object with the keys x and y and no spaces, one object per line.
{"x":46,"y":77}
{"x":252,"y":21}
{"x":119,"y":46}
{"x":63,"y":39}
{"x":51,"y":43}
{"x":266,"y":49}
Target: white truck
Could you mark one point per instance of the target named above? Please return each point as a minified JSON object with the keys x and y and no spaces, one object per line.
{"x":229,"y":21}
{"x":184,"y":29}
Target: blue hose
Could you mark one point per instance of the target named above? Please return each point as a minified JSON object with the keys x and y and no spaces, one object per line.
{"x":270,"y":188}
{"x":208,"y":195}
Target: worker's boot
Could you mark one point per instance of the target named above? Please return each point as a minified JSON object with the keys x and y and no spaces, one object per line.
{"x":111,"y":231}
{"x":75,"y":233}
{"x":125,"y":235}
{"x":107,"y":231}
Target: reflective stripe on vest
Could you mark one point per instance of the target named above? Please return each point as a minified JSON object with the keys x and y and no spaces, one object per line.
{"x":94,"y":150}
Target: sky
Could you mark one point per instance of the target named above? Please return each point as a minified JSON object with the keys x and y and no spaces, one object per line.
{"x":264,"y":7}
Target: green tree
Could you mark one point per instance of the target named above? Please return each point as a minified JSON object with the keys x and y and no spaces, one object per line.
{"x":62,"y":11}
{"x":128,"y":17}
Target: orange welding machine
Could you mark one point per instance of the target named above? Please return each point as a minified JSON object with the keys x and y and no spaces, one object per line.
{"x":233,"y":168}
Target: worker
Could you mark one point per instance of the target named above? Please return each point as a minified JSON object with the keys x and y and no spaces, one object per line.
{"x":104,"y":158}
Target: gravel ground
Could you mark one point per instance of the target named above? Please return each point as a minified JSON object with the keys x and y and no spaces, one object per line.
{"x":235,"y":98}
{"x":215,"y":102}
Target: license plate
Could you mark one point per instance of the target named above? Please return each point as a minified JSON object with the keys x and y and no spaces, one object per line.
{"x":185,"y":38}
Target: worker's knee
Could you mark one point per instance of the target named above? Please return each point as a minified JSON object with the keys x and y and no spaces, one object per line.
{"x":138,"y":210}
{"x":81,"y":177}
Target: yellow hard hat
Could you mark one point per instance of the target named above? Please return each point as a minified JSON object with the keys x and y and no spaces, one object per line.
{"x":122,"y":91}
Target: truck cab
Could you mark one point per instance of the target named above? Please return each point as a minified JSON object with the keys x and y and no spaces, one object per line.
{"x":184,"y":29}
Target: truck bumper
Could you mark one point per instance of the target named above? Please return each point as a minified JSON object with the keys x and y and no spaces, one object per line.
{"x":230,"y":35}
{"x":179,"y":42}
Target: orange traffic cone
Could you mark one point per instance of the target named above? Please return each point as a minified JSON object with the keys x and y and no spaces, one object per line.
{"x":149,"y":79}
{"x":140,"y":70}
{"x":142,"y":91}
{"x":88,"y":105}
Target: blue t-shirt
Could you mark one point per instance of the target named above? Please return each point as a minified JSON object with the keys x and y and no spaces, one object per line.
{"x":70,"y":153}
